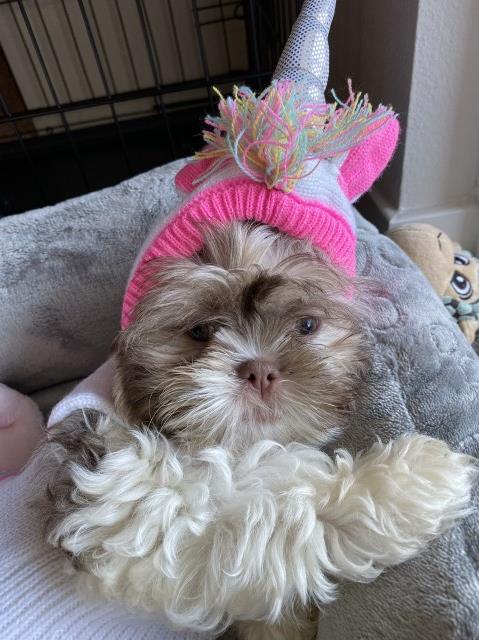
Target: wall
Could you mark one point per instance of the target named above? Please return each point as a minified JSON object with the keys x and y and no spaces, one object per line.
{"x":372,"y":41}
{"x":421,"y":56}
{"x":444,"y":105}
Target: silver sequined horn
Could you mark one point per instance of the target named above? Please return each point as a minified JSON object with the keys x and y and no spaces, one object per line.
{"x":305,"y":58}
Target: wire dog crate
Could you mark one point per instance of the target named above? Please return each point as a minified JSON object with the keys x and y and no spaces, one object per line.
{"x":94,"y":91}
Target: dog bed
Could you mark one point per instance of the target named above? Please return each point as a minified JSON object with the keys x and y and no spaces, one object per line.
{"x":62,"y":274}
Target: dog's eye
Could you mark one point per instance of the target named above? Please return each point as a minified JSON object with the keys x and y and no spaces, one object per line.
{"x":201,"y":332}
{"x":307,"y":326}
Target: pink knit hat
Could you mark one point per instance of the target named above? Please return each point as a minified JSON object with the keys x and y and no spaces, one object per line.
{"x":284,"y":158}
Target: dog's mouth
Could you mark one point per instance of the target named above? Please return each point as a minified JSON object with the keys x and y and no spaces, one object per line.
{"x":260,"y":408}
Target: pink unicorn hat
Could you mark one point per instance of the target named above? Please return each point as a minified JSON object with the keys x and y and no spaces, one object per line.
{"x":285,"y":158}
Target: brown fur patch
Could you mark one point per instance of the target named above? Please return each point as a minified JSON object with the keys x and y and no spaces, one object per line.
{"x":75,"y":440}
{"x":258,"y":290}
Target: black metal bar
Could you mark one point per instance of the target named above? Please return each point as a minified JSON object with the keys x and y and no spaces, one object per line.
{"x":148,"y":92}
{"x":177,"y":43}
{"x":51,"y":88}
{"x":77,"y":49}
{"x":290,"y":14}
{"x":276,"y":33}
{"x":254,"y":37}
{"x":127,"y":43}
{"x":225,"y":36}
{"x":282,"y":26}
{"x":219,"y":21}
{"x":201,"y":46}
{"x":34,"y":67}
{"x":157,"y":77}
{"x":151,"y":38}
{"x":54,"y":53}
{"x":202,"y":8}
{"x":238,"y":5}
{"x":206,"y":7}
{"x":102,"y":45}
{"x":19,"y":137}
{"x":272,"y":36}
{"x":91,"y":38}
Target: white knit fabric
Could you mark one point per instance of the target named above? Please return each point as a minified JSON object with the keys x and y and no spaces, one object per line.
{"x":38,"y":600}
{"x":94,"y":392}
{"x":321,"y":183}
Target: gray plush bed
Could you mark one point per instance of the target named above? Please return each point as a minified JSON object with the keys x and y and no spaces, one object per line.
{"x":62,"y":273}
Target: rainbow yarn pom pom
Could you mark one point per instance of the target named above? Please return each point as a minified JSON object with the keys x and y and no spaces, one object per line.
{"x":272,"y":136}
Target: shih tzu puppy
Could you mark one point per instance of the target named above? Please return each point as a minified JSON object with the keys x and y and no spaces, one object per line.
{"x":200,"y":491}
{"x":256,"y":339}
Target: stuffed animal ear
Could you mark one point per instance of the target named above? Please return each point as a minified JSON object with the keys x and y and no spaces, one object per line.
{"x":365,"y":163}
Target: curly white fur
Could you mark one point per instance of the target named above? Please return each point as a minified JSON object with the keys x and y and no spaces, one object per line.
{"x":207,"y":541}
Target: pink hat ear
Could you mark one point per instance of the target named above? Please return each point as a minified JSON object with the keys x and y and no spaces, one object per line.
{"x":186,"y":177}
{"x":365,"y":163}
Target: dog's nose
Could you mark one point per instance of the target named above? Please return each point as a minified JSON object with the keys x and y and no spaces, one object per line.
{"x":262,"y":374}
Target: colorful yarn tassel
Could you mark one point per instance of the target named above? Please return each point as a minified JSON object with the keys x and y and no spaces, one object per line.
{"x":272,"y":136}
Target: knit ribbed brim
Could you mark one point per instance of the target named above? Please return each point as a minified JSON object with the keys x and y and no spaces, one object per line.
{"x":243,"y":199}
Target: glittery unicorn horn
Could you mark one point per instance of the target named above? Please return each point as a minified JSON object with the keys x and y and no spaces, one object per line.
{"x":305,"y":58}
{"x":285,"y":158}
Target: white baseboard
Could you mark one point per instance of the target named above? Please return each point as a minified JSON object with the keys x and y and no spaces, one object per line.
{"x":460,"y":222}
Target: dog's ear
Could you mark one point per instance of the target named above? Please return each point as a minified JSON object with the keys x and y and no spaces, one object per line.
{"x":365,"y":163}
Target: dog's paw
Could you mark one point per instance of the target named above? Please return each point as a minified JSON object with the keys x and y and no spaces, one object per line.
{"x":433,"y":483}
{"x":74,"y":441}
{"x":399,"y":496}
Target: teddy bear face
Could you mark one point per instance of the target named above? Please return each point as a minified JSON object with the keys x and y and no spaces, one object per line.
{"x":464,"y":282}
{"x":462,"y":293}
{"x":452,"y":271}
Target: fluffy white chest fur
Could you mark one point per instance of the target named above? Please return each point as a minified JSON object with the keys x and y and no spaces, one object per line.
{"x":205,"y":497}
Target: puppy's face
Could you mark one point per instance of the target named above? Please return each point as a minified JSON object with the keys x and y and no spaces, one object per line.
{"x":256,"y":337}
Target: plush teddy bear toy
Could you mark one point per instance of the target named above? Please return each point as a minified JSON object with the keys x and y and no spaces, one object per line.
{"x":451,"y":270}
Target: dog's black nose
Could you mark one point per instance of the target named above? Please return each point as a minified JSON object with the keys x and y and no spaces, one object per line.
{"x":262,"y":374}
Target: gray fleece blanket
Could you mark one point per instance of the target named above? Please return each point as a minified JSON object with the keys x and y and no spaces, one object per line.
{"x":62,"y":274}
